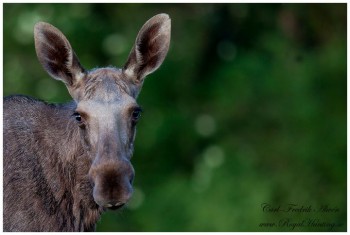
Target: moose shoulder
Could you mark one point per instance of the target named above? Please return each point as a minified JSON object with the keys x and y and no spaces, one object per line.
{"x":65,"y":164}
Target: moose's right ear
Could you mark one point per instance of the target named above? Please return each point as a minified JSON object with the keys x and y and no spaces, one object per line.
{"x":56,"y":54}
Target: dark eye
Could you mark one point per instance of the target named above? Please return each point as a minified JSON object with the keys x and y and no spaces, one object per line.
{"x":136,"y":114}
{"x":77,"y":116}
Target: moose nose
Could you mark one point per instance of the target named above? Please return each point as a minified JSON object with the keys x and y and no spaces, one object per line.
{"x":109,"y":201}
{"x":112,"y":183}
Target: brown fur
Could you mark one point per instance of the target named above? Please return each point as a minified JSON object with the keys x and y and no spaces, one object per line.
{"x":42,"y":181}
{"x":65,"y":164}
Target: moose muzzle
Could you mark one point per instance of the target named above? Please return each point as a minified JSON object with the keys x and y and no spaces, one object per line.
{"x":112,"y":182}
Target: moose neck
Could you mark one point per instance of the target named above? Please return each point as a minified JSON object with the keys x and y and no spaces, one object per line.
{"x":70,"y":164}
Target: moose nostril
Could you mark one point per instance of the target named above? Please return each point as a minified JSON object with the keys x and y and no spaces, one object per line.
{"x":114,"y":205}
{"x":119,"y":204}
{"x":131,"y":179}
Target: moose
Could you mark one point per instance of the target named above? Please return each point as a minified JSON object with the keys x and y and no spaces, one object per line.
{"x":65,"y":164}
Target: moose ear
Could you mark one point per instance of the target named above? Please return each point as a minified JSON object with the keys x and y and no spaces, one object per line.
{"x":150,"y":48}
{"x":56,"y":54}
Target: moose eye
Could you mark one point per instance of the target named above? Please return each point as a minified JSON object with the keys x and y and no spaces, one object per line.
{"x":77,"y":117}
{"x":136,"y":114}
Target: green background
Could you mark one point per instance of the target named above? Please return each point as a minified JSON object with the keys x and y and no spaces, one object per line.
{"x":249,"y":107}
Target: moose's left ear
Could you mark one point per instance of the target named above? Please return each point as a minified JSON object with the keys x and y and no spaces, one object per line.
{"x":150,"y":48}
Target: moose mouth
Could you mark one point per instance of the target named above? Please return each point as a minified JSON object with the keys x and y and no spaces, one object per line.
{"x":113,"y":208}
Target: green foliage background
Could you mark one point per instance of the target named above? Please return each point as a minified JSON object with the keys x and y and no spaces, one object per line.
{"x":249,"y":107}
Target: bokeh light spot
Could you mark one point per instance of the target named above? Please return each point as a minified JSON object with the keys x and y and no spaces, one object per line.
{"x":201,"y":177}
{"x":114,"y":44}
{"x":25,"y":25}
{"x":205,"y":125}
{"x":213,"y":156}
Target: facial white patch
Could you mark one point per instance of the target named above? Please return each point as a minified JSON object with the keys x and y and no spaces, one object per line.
{"x":130,"y":72}
{"x":79,"y":76}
